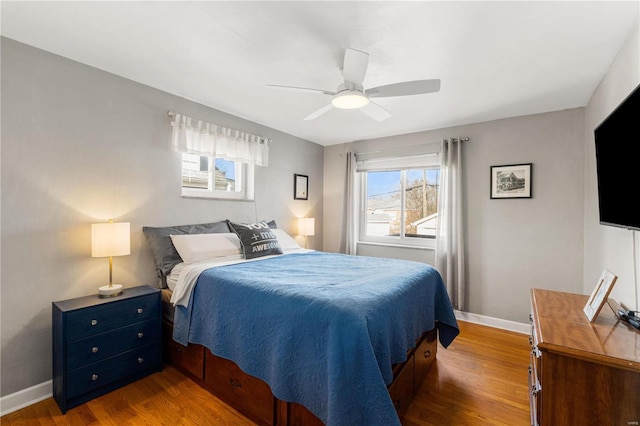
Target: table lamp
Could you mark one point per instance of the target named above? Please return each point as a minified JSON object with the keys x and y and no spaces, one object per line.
{"x":108,"y":240}
{"x":306,"y":226}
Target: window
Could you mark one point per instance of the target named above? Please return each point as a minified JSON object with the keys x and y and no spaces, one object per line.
{"x":399,"y":201}
{"x":209,"y":177}
{"x":217,"y":162}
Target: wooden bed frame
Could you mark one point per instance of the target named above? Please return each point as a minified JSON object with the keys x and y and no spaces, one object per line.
{"x":253,"y":397}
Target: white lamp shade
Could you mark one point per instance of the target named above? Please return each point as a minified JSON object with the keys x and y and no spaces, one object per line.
{"x":110,"y":239}
{"x":306,"y":226}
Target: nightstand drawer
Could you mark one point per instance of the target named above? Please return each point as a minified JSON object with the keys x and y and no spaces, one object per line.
{"x":89,"y":322}
{"x":94,"y":376}
{"x":101,"y":346}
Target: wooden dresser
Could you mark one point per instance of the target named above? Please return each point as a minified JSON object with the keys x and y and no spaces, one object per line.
{"x":581,"y":372}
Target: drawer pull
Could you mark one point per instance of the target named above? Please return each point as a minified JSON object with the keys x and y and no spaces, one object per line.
{"x":140,"y":335}
{"x":94,"y":349}
{"x":534,"y":390}
{"x":235,"y":383}
{"x":427,"y":353}
{"x":140,"y":360}
{"x":94,"y":322}
{"x":140,"y":310}
{"x":536,"y":352}
{"x":94,"y":377}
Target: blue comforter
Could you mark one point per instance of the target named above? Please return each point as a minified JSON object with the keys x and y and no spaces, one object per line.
{"x":322,"y":329}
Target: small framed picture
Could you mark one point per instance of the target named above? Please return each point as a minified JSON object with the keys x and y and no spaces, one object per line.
{"x":511,"y":181}
{"x":300,"y":187}
{"x":600,"y":295}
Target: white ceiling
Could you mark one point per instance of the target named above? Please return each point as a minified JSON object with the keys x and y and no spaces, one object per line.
{"x":495,"y":59}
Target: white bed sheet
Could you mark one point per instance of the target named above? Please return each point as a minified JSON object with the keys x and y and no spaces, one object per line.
{"x":172,"y":279}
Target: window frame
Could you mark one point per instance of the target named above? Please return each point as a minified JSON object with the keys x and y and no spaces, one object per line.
{"x":402,"y":240}
{"x":244,"y":175}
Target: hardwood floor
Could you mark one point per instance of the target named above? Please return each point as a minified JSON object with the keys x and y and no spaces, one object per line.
{"x":481,"y":379}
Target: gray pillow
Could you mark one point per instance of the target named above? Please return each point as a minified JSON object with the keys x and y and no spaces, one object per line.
{"x":165,"y":255}
{"x":256,"y":239}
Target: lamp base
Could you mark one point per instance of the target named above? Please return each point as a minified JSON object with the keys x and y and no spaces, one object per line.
{"x":110,"y":290}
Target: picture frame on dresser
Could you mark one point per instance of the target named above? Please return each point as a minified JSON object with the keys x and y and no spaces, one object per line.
{"x":599,"y":295}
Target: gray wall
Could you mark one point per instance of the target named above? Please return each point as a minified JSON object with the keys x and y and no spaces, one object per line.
{"x":512,"y":245}
{"x":81,"y":146}
{"x":606,"y":246}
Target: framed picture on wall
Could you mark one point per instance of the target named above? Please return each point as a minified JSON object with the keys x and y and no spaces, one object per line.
{"x":300,"y":187}
{"x":600,"y":295}
{"x":511,"y":181}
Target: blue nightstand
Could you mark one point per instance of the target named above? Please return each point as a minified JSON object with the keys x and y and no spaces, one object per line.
{"x":102,"y":344}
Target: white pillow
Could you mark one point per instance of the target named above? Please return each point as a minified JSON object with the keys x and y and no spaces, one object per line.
{"x":196,"y":247}
{"x":286,"y":241}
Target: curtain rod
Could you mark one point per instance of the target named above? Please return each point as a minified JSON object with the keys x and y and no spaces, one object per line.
{"x":465,"y":139}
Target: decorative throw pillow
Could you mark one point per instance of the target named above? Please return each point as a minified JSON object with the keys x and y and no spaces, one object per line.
{"x":257,"y":239}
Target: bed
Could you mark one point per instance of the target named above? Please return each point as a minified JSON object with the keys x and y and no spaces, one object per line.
{"x":295,"y":336}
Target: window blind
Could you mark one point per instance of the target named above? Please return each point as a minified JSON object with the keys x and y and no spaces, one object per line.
{"x":397,"y":163}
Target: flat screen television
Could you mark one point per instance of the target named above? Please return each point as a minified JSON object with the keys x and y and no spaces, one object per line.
{"x":618,"y":164}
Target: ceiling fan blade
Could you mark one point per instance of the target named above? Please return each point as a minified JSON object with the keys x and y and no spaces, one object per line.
{"x":416,"y":87}
{"x":354,"y":66}
{"x":301,"y":89}
{"x":319,"y":112}
{"x":375,"y":111}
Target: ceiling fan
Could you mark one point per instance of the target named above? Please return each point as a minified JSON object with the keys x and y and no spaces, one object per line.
{"x":351,"y":94}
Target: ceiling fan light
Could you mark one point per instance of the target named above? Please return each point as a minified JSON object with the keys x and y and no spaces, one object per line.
{"x":349,"y":99}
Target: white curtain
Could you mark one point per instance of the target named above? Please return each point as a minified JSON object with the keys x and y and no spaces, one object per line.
{"x":199,"y":137}
{"x":350,"y":205}
{"x":449,"y":229}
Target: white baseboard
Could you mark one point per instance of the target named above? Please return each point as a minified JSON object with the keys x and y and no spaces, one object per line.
{"x":25,"y":397}
{"x":517,"y":327}
{"x":37,"y":393}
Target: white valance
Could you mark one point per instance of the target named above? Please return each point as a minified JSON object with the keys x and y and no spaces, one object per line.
{"x":199,"y":137}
